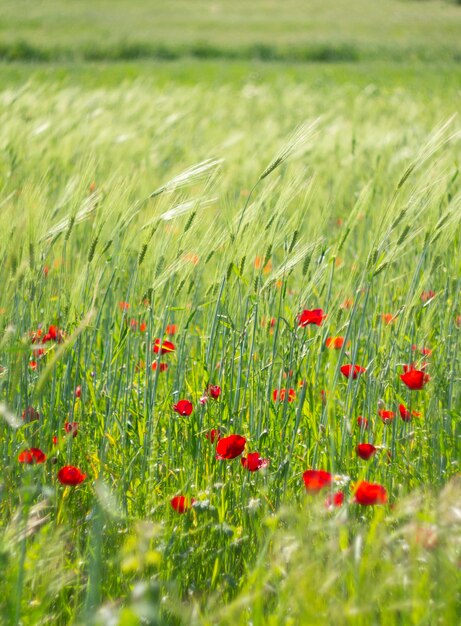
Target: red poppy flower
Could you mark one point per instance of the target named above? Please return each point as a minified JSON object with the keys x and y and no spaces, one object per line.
{"x":268,"y":323}
{"x":214,"y":391}
{"x":31,"y":456}
{"x":78,"y":392}
{"x":316,"y":316}
{"x":30,"y":414}
{"x":53,"y":334}
{"x":33,"y":365}
{"x":405,"y":413}
{"x":369,"y":494}
{"x":71,"y":428}
{"x":323,"y":395}
{"x":362,"y":422}
{"x":171,"y":329}
{"x":46,"y":269}
{"x":70,"y":475}
{"x":183,"y":407}
{"x":414,"y":379}
{"x":386,"y":416}
{"x":334,"y":342}
{"x":254,"y":462}
{"x":427,"y":295}
{"x":346,"y":304}
{"x":282,"y":393}
{"x":181,"y":504}
{"x":230,"y":447}
{"x":316,"y":480}
{"x":365,"y":451}
{"x":124,"y":306}
{"x":213,"y":435}
{"x":334,"y":500}
{"x":163,"y":347}
{"x":162,"y":368}
{"x":352,"y":371}
{"x":38,"y":353}
{"x":388,"y":318}
{"x":36,"y":337}
{"x":143,"y":327}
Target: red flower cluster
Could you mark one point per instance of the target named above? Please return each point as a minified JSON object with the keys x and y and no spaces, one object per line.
{"x":32,"y":456}
{"x":281,"y":394}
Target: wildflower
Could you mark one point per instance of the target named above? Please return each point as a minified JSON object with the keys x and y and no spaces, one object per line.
{"x":124,"y":306}
{"x":213,"y":435}
{"x":334,"y":500}
{"x":414,"y":379}
{"x":406,"y":415}
{"x":163,"y":347}
{"x":316,"y":480}
{"x":183,"y":407}
{"x":427,"y":295}
{"x":334,"y":342}
{"x":181,"y":504}
{"x":31,"y":456}
{"x":171,"y":329}
{"x":424,"y":351}
{"x":254,"y":462}
{"x":53,"y":334}
{"x":346,"y":304}
{"x":230,"y":447}
{"x":71,"y":428}
{"x":70,"y":475}
{"x":362,"y":422}
{"x":30,"y":414}
{"x":365,"y":451}
{"x":388,"y":318}
{"x":33,"y":365}
{"x":352,"y":371}
{"x":78,"y":392}
{"x":316,"y":316}
{"x":386,"y":416}
{"x":281,"y":394}
{"x":368,"y":494}
{"x":162,"y":366}
{"x":269,"y":324}
{"x":143,"y":327}
{"x":214,"y":391}
{"x":36,"y":337}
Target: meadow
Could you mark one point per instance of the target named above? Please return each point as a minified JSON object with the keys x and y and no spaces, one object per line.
{"x":196,"y":250}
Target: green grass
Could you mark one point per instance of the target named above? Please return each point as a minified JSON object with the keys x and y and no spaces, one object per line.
{"x":297,"y":30}
{"x":366,"y":209}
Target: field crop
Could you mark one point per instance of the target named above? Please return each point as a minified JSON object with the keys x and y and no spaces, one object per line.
{"x":160,"y":240}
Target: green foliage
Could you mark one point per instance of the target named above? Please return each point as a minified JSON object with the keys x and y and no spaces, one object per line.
{"x":144,"y":193}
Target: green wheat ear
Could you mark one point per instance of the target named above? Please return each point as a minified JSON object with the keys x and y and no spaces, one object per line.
{"x":297,"y":140}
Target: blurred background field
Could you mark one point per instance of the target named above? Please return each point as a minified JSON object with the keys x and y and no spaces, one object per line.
{"x":292,"y":30}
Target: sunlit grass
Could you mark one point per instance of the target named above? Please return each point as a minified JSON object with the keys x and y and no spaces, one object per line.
{"x":140,"y":204}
